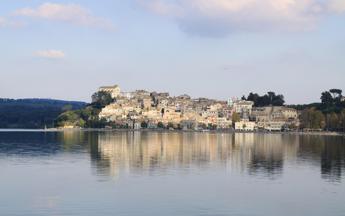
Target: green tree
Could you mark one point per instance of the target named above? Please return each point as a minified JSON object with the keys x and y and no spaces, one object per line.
{"x":212,"y":126}
{"x":170,"y":125}
{"x":336,"y":93}
{"x":144,"y":125}
{"x":101,"y":99}
{"x":342,"y":120}
{"x":69,"y":118}
{"x":312,"y":119}
{"x":332,"y":121}
{"x":268,"y":99}
{"x":326,"y":97}
{"x":235,"y":117}
{"x":160,"y":125}
{"x":67,"y":107}
{"x":203,"y":126}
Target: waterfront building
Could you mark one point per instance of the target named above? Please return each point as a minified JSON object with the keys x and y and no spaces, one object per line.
{"x":153,"y":107}
{"x":245,"y":126}
{"x":274,"y":125}
{"x":274,"y":118}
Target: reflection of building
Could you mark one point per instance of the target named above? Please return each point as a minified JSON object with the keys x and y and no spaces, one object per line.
{"x":147,"y":152}
{"x":328,"y":150}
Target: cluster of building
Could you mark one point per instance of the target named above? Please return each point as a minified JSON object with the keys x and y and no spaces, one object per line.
{"x":151,"y":109}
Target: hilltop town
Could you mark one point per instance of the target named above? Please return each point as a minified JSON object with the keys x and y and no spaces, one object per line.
{"x":143,"y":109}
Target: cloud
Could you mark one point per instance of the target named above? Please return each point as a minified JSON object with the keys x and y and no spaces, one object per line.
{"x":161,"y":7}
{"x":50,"y":54}
{"x":69,"y":13}
{"x":337,"y":6}
{"x":222,"y":17}
{"x":4,"y":22}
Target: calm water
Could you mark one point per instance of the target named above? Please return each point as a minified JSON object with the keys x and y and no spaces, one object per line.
{"x":153,"y":173}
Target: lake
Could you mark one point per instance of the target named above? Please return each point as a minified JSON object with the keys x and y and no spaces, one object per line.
{"x":170,"y":173}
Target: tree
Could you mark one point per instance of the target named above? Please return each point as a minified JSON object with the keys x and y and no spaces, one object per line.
{"x":326,"y":97}
{"x":342,"y":120}
{"x":101,"y":99}
{"x":144,"y":125}
{"x":271,"y":95}
{"x":235,"y":117}
{"x":170,"y":125}
{"x":203,"y":126}
{"x":312,"y":119}
{"x":70,"y":118}
{"x":212,"y":126}
{"x":67,"y":107}
{"x":336,"y":93}
{"x":268,"y":99}
{"x":253,"y":97}
{"x":278,"y":100}
{"x":317,"y":120}
{"x":160,"y":125}
{"x":333,"y":121}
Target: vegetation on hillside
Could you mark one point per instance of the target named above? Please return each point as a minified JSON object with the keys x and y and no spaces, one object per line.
{"x":327,"y":115}
{"x":33,"y":113}
{"x":86,"y":117}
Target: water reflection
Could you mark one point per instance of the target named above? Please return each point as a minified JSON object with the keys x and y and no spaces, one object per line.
{"x":162,"y":153}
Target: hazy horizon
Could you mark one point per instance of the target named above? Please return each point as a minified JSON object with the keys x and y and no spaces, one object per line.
{"x":67,"y":49}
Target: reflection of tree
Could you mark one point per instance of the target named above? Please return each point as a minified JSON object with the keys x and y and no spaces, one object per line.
{"x":268,"y":155}
{"x":329,"y":150}
{"x":29,"y":144}
{"x":333,"y":160}
{"x":71,"y":139}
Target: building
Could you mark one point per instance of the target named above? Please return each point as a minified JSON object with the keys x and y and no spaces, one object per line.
{"x":244,"y":108}
{"x":114,"y":91}
{"x":289,"y":113}
{"x":127,"y":95}
{"x":245,"y":126}
{"x":274,"y":125}
{"x":223,"y":123}
{"x":274,"y":118}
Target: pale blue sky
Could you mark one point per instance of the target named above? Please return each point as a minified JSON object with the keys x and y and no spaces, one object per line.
{"x":66,"y":49}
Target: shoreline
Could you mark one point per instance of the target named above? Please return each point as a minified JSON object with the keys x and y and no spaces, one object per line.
{"x":316,"y":133}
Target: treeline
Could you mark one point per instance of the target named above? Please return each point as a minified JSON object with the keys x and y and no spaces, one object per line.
{"x":328,"y":115}
{"x":269,"y":99}
{"x":33,"y":113}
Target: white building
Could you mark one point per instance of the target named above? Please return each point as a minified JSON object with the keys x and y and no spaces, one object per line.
{"x":245,"y":126}
{"x":223,"y":123}
{"x":274,"y":125}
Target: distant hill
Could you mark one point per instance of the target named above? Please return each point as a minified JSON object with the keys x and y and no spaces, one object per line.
{"x":33,"y":113}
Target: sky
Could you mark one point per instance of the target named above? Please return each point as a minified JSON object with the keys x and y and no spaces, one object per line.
{"x":205,"y":48}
